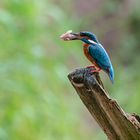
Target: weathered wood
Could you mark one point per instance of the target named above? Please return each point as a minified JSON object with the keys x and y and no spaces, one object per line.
{"x":117,"y":124}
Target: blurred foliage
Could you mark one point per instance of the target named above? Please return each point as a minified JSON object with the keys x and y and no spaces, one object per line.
{"x":37,"y":101}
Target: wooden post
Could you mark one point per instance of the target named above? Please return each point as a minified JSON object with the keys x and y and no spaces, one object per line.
{"x":116,"y":124}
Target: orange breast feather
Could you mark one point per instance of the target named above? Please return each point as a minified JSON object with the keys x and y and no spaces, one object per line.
{"x":86,"y":52}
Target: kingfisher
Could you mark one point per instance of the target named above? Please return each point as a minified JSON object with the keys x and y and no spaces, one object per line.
{"x":93,"y":50}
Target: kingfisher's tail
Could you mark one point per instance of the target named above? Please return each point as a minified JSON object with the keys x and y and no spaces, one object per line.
{"x":111,"y":74}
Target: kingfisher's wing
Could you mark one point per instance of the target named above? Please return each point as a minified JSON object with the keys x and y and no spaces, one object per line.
{"x":99,"y":54}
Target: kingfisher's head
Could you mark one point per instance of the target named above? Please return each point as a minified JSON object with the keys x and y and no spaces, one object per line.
{"x":87,"y":37}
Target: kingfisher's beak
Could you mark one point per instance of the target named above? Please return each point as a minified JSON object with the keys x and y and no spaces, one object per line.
{"x":69,"y":35}
{"x":75,"y":36}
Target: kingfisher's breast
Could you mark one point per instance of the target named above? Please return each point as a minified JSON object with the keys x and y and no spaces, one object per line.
{"x":87,"y":54}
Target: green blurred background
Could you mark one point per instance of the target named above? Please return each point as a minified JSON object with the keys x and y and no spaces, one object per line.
{"x":37,"y":102}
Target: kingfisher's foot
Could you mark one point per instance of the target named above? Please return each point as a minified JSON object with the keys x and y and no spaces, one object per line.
{"x":96,"y":70}
{"x":91,"y":66}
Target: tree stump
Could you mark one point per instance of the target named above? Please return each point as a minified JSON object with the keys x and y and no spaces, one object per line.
{"x":116,"y":124}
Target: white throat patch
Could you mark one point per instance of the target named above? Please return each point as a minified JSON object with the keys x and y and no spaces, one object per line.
{"x":91,"y":41}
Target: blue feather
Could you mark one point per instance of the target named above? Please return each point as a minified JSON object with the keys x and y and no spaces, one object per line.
{"x":99,"y":54}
